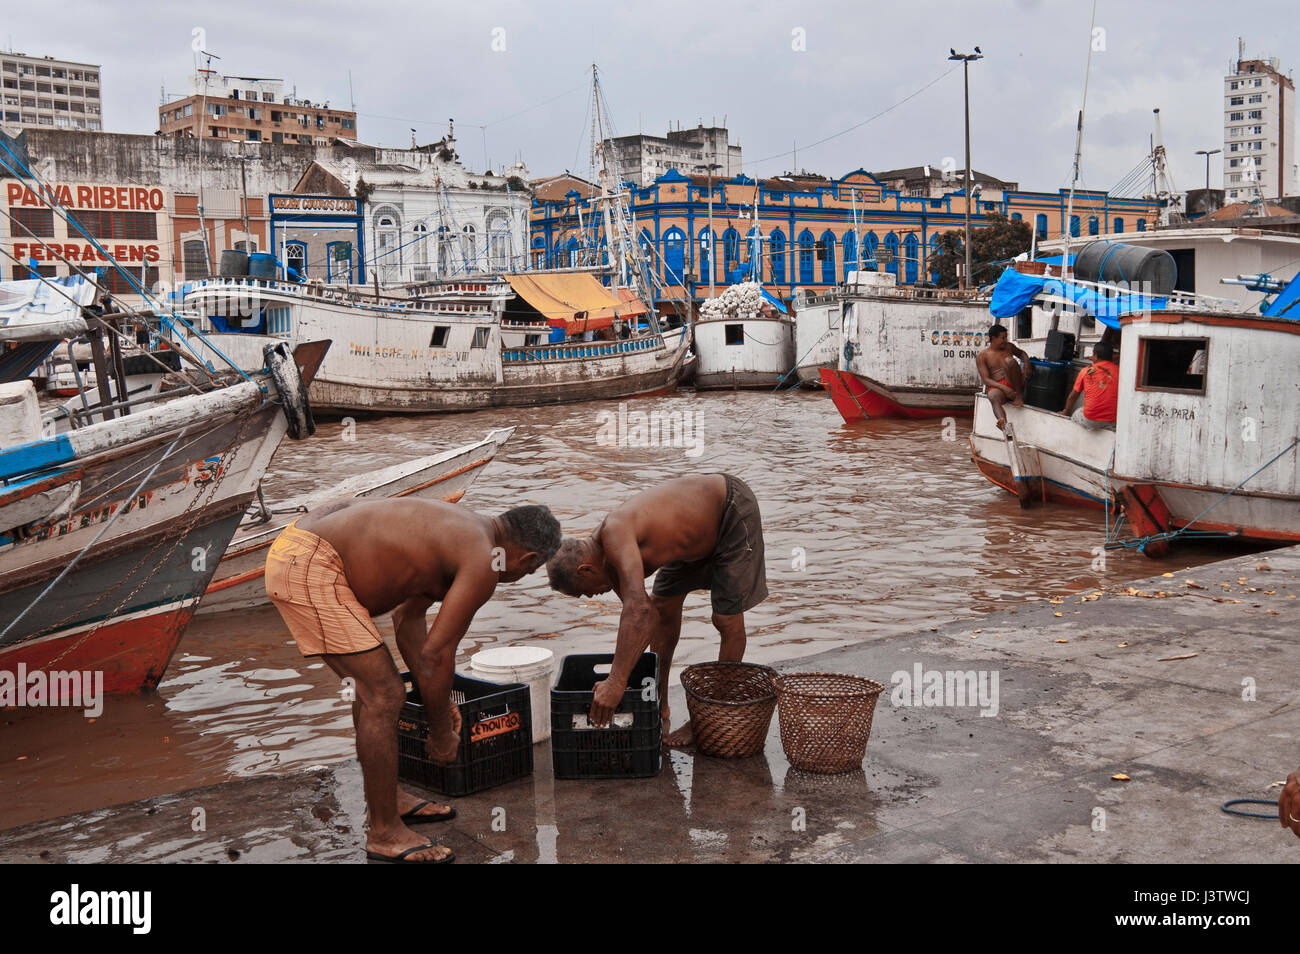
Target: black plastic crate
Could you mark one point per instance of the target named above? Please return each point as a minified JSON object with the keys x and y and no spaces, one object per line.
{"x":628,"y":750}
{"x":496,"y":737}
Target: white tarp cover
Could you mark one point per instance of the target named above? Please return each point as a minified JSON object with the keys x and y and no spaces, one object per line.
{"x":44,"y":308}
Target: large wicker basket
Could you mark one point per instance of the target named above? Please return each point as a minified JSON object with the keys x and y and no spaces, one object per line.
{"x":731,"y":705}
{"x":826,"y":719}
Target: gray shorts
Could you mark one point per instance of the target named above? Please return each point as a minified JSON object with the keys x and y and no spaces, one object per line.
{"x":735,"y":573}
{"x":1089,"y":423}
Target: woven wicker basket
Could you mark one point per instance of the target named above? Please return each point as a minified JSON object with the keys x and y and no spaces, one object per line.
{"x":731,"y":705}
{"x":825,"y":719}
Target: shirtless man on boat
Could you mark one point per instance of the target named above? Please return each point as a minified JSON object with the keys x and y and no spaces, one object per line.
{"x":700,"y":533}
{"x":332,"y":570}
{"x":1004,"y":371}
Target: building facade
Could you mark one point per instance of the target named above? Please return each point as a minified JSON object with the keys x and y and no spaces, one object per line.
{"x":1259,"y":154}
{"x":640,"y":159}
{"x":42,"y":92}
{"x":808,"y":232}
{"x":252,"y":109}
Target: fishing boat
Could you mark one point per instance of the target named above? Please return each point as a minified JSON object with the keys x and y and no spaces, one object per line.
{"x":238,"y":583}
{"x":111,"y":531}
{"x":744,"y":338}
{"x":1204,"y":441}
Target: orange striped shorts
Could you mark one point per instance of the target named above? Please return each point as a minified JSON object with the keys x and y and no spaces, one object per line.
{"x":305,"y":580}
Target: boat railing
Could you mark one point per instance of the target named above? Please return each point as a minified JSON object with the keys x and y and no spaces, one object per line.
{"x":582,"y":349}
{"x":910,"y":292}
{"x":338,"y":296}
{"x":1175,"y":300}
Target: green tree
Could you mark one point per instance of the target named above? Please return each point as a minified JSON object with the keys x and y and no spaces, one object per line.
{"x":992,"y":245}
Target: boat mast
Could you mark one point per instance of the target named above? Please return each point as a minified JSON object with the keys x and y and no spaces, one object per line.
{"x":1078,"y":144}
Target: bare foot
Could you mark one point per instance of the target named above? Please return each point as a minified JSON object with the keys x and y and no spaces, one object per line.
{"x":383,"y":847}
{"x":681,"y":738}
{"x":1019,"y":401}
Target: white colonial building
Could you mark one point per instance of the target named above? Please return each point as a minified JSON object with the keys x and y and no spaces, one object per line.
{"x":426,"y":215}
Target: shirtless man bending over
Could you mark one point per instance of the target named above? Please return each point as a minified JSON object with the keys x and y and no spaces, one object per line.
{"x":332,"y":570}
{"x":700,"y":533}
{"x":1002,"y":369}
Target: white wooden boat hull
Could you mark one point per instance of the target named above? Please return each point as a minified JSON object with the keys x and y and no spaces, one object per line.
{"x":763,"y":357}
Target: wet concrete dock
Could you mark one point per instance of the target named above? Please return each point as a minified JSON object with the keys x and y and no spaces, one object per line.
{"x":1188,"y":689}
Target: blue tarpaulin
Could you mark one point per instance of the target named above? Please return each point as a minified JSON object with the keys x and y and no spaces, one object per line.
{"x":1279,"y":306}
{"x":1015,"y":290}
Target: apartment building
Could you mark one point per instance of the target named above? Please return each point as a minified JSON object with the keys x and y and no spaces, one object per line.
{"x":1259,"y":154}
{"x":43,"y":92}
{"x":255,"y":109}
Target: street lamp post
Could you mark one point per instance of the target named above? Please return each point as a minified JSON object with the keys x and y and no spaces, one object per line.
{"x":1207,"y":153}
{"x":712,"y":250}
{"x":965,"y":59}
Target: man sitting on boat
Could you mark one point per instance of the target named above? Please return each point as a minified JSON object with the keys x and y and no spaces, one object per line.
{"x":700,"y":533}
{"x":1004,"y":370}
{"x":1099,"y":385}
{"x":332,"y":570}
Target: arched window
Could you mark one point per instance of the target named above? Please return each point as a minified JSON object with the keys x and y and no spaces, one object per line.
{"x":1119,"y":225}
{"x":420,"y":251}
{"x":498,"y":232}
{"x":827,"y":254}
{"x":388,"y":246}
{"x":1074,"y":226}
{"x":807,"y":271}
{"x":730,"y":252}
{"x":539,"y":252}
{"x":869,"y":245}
{"x":891,"y":243}
{"x":295,"y":260}
{"x":1142,"y":225}
{"x":1040,"y":224}
{"x":850,"y":253}
{"x":911,"y":263}
{"x":706,"y":243}
{"x":1092,"y":225}
{"x":571,"y":251}
{"x":755,"y":240}
{"x":934,"y":257}
{"x":674,"y":255}
{"x":1015,"y":216}
{"x":469,"y":248}
{"x":444,"y":250}
{"x":195,"y":258}
{"x":647,"y":249}
{"x":777,"y":257}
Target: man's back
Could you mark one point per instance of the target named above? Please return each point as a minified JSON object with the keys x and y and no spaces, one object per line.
{"x":676,"y":520}
{"x":396,"y":549}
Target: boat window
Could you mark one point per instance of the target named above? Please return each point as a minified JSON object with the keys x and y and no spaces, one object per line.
{"x":481,"y":337}
{"x":735,"y":334}
{"x":439,"y":339}
{"x":1173,"y":364}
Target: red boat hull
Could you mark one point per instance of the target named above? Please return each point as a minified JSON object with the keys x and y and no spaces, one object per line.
{"x":856,"y":401}
{"x":132,"y":653}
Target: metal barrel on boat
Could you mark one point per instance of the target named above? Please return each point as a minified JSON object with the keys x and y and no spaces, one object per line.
{"x":1116,"y":263}
{"x":234,"y":263}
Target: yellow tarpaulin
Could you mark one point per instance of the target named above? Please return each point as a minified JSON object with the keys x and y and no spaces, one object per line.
{"x":574,"y":300}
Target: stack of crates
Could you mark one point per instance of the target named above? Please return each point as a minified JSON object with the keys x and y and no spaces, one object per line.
{"x":629,"y":746}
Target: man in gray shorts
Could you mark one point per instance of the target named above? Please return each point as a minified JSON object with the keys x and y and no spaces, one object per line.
{"x":700,"y":533}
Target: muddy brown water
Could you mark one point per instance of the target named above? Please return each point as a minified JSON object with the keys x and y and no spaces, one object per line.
{"x":873,"y":528}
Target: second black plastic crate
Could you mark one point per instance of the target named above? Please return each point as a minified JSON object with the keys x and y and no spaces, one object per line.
{"x":630,"y":746}
{"x":496,"y":738}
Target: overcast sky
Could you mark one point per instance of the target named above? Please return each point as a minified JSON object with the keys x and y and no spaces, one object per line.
{"x":416,"y":64}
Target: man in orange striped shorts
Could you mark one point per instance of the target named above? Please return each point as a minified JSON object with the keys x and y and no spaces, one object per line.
{"x":334,"y":569}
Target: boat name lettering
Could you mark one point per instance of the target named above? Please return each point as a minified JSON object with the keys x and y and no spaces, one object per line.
{"x":955,"y":339}
{"x":1160,"y":411}
{"x":79,"y":521}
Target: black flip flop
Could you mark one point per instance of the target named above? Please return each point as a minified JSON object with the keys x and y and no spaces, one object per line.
{"x":401,"y":859}
{"x":411,"y":818}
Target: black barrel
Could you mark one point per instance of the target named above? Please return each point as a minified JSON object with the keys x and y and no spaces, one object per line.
{"x":1151,"y":269}
{"x":234,"y":263}
{"x":1050,"y":384}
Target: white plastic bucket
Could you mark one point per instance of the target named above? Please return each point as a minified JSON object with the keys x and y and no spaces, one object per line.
{"x":532,"y":665}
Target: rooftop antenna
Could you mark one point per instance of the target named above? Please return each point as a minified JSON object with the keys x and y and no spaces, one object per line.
{"x":352,"y":102}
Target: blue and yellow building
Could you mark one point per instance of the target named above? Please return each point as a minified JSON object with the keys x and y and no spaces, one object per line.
{"x":810,"y":229}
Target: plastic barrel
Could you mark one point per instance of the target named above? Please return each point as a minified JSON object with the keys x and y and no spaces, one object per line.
{"x":531,"y":665}
{"x":1050,"y":384}
{"x":1152,"y":269}
{"x":261,"y":265}
{"x":234,"y":263}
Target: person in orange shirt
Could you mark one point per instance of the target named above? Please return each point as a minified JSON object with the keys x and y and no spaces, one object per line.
{"x":1099,"y":386}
